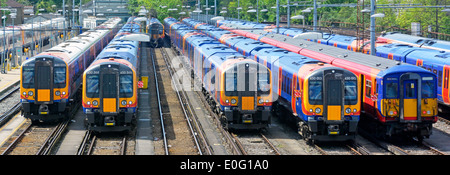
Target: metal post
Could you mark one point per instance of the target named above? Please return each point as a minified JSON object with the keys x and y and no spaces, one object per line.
{"x":315,"y":15}
{"x":238,"y":11}
{"x":288,"y":14}
{"x":278,"y":16}
{"x":4,"y":56}
{"x":215,"y":7}
{"x":207,"y":6}
{"x":32,"y":36}
{"x":257,"y":11}
{"x":13,"y":58}
{"x":372,"y":28}
{"x":40,"y":34}
{"x":64,"y":15}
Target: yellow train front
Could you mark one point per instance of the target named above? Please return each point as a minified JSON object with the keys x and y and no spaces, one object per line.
{"x":110,"y":95}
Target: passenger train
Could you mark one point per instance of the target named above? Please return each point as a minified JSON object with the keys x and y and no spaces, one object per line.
{"x":237,"y":88}
{"x":429,"y":54}
{"x":50,"y":82}
{"x":22,"y":34}
{"x":397,"y":98}
{"x":321,"y":98}
{"x":156,"y":31}
{"x":110,"y":84}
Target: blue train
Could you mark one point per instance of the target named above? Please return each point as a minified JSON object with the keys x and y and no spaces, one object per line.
{"x":396,"y":98}
{"x":236,"y":88}
{"x":110,"y":84}
{"x":323,"y":100}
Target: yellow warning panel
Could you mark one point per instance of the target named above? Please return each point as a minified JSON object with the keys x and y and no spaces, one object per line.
{"x":248,"y":103}
{"x":43,"y":95}
{"x":109,"y":105}
{"x":334,"y":112}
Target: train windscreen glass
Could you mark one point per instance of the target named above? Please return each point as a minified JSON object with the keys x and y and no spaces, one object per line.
{"x":92,"y":90}
{"x":59,"y":78}
{"x":263,"y":83}
{"x":231,"y":83}
{"x":351,"y":93}
{"x":126,"y":86}
{"x":315,"y":92}
{"x":391,"y":90}
{"x":428,"y":89}
{"x":28,"y":77}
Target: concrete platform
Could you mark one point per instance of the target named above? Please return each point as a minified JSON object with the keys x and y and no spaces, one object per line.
{"x":9,"y":80}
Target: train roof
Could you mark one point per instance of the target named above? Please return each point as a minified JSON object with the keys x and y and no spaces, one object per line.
{"x":417,"y":40}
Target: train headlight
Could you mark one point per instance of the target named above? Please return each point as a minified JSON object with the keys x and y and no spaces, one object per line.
{"x":88,"y":103}
{"x":318,"y":110}
{"x":354,"y":110}
{"x":233,"y":101}
{"x":57,"y":93}
{"x":310,"y":110}
{"x":227,"y":101}
{"x":348,"y":110}
{"x":261,"y":101}
{"x":64,"y":93}
{"x":95,"y":103}
{"x":24,"y":93}
{"x":30,"y":93}
{"x":123,"y":103}
{"x":130,"y":102}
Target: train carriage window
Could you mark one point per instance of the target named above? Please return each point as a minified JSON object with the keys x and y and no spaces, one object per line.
{"x":440,"y":79}
{"x":368,"y":88}
{"x":28,"y":77}
{"x":92,"y":90}
{"x":315,"y":92}
{"x":126,"y":86}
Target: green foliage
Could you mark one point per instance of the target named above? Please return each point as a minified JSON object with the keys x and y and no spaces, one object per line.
{"x":393,"y":17}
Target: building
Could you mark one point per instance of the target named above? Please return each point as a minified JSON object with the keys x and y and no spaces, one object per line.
{"x":19,"y":13}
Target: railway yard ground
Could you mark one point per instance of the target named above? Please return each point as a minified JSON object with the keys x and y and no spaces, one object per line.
{"x":202,"y":135}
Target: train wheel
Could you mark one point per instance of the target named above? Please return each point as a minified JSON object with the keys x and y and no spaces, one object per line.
{"x":305,"y":132}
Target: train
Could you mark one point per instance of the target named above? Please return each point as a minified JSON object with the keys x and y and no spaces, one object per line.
{"x":321,"y":99}
{"x":416,"y":41}
{"x":429,"y":54}
{"x":24,"y":31}
{"x":50,"y":82}
{"x":110,"y":84}
{"x":397,"y":99}
{"x":156,"y":30}
{"x":236,"y":88}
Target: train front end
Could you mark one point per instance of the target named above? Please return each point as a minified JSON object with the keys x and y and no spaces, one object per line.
{"x":331,"y":105}
{"x":110,"y":96}
{"x":408,"y":103}
{"x":44,"y":88}
{"x":246,"y":95}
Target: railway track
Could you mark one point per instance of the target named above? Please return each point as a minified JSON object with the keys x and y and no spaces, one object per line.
{"x":169,"y":117}
{"x":254,"y":144}
{"x":106,"y":144}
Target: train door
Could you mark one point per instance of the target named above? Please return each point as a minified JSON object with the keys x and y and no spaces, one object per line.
{"x":109,"y":92}
{"x":334,"y":95}
{"x":44,"y":78}
{"x":445,"y":84}
{"x":410,"y":86}
{"x":247,"y":86}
